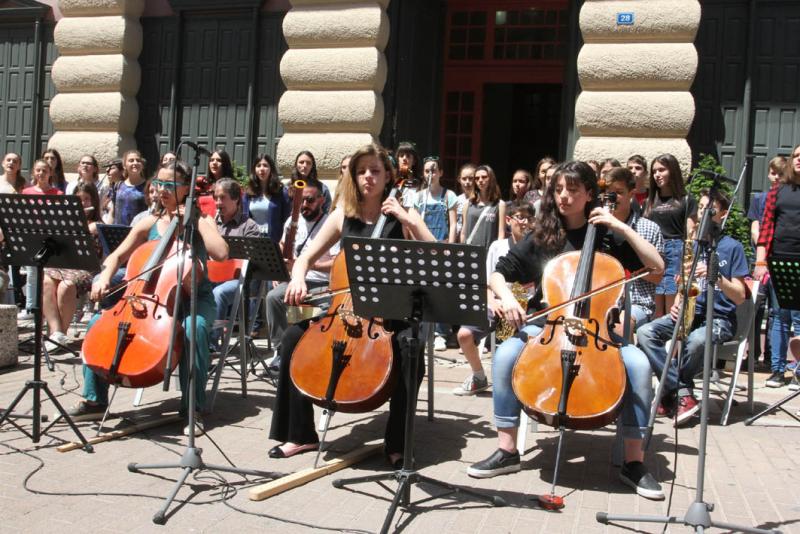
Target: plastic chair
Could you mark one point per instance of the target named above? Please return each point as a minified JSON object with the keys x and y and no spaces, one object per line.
{"x":734,"y":350}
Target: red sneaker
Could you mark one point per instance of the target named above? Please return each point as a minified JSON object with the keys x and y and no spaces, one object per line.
{"x":688,"y":405}
{"x":663,"y":411}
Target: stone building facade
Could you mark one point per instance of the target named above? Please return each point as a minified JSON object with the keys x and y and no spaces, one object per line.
{"x":280,"y":76}
{"x":97,"y":77}
{"x":636,"y":78}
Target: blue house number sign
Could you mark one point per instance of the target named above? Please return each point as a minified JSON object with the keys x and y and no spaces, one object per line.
{"x":625,"y":19}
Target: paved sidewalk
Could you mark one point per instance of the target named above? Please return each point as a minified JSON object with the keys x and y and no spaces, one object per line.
{"x":751,"y":475}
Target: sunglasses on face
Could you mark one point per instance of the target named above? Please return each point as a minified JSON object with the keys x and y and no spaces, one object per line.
{"x":168,"y":184}
{"x":309,"y":200}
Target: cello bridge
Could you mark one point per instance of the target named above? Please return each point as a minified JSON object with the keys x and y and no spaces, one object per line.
{"x":574,"y":326}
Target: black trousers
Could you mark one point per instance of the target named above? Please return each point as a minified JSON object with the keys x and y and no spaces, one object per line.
{"x":293,"y":414}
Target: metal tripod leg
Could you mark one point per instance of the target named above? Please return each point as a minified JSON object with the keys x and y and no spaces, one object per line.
{"x":776,"y":406}
{"x":192,"y":460}
{"x":408,"y":475}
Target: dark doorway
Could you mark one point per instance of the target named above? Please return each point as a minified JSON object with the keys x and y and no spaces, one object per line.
{"x":521,"y":124}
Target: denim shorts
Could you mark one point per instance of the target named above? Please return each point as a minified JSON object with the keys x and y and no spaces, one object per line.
{"x":673,"y":254}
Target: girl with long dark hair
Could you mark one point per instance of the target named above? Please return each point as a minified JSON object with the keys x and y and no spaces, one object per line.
{"x":675,"y":212}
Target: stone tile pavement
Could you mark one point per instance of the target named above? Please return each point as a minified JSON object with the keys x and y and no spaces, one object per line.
{"x":751,"y":475}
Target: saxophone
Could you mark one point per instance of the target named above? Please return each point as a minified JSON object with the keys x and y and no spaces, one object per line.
{"x":504,"y":329}
{"x":694,"y":289}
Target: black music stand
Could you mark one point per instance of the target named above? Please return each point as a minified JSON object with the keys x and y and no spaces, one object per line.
{"x":415,"y":282}
{"x":192,"y":458}
{"x":264,"y":262}
{"x":45,"y":231}
{"x":111,"y":235}
{"x":784,"y":273}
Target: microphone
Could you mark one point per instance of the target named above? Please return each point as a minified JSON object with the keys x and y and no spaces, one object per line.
{"x":197,"y":148}
{"x":712,"y":174}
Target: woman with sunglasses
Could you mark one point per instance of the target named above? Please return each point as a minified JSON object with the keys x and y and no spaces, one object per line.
{"x":173,"y":187}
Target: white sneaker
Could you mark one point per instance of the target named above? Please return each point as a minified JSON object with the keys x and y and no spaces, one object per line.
{"x":25,"y":315}
{"x":439,"y":343}
{"x":199,"y":430}
{"x":61,"y":338}
{"x":472,"y":385}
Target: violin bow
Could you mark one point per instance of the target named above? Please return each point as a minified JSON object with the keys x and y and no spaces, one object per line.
{"x":641,"y":273}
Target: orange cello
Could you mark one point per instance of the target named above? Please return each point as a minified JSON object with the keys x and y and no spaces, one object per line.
{"x":572,"y":375}
{"x":129,"y":343}
{"x":344,"y":362}
{"x":573,"y":354}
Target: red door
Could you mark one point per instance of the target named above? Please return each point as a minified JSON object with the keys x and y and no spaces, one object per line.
{"x":498,"y":42}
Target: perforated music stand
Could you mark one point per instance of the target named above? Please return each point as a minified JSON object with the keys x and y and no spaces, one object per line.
{"x":415,"y":281}
{"x":785,"y":275}
{"x":111,"y":235}
{"x":45,"y":231}
{"x":264,"y":262}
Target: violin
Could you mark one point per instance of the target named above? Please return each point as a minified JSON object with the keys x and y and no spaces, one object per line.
{"x":344,"y":362}
{"x":129,"y":344}
{"x":572,"y":375}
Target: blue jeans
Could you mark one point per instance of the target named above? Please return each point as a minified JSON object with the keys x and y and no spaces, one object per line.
{"x":653,"y":336}
{"x":30,"y":282}
{"x":640,"y":316}
{"x":673,"y":256}
{"x":224,"y":293}
{"x":781,"y":322}
{"x":636,"y":402}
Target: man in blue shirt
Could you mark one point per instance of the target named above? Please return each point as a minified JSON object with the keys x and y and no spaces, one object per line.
{"x":729,"y":292}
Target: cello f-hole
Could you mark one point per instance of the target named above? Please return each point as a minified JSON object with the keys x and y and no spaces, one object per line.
{"x":331,"y":318}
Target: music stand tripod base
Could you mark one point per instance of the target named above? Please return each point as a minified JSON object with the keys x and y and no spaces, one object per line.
{"x":191,"y":460}
{"x":45,"y":231}
{"x":417,"y":282}
{"x":698,"y":515}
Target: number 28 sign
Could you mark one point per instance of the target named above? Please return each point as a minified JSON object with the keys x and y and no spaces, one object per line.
{"x":625,"y":19}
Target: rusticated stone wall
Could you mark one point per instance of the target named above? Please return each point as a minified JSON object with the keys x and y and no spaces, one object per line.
{"x":334,"y":72}
{"x":97,"y":76}
{"x":635,"y":80}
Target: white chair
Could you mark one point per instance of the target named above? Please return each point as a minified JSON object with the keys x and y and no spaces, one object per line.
{"x":734,"y":350}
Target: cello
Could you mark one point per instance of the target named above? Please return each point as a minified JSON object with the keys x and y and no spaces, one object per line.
{"x":571,"y":375}
{"x":129,"y":343}
{"x":344,"y":362}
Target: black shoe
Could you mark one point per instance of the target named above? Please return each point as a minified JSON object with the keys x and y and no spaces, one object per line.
{"x":776,"y":380}
{"x":499,"y":463}
{"x":635,"y":475}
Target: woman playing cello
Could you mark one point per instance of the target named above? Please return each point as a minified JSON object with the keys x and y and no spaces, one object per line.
{"x":566,"y":211}
{"x":364,"y":199}
{"x":173,"y":186}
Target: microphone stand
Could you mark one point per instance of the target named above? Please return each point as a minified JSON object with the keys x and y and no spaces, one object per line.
{"x":698,"y":516}
{"x":191,"y":460}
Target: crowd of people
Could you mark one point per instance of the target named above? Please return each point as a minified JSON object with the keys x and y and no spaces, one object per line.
{"x":648,"y":224}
